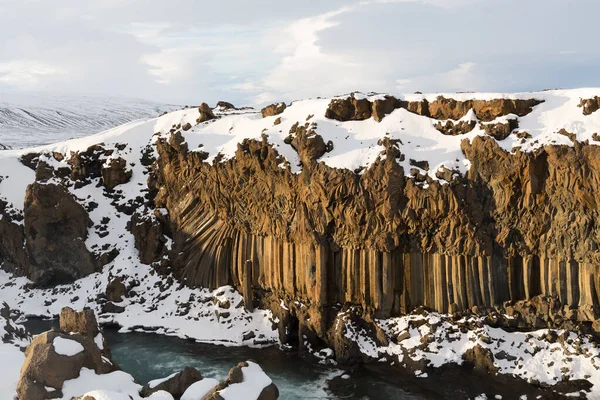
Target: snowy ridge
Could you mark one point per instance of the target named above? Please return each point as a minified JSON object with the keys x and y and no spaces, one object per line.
{"x":31,"y":121}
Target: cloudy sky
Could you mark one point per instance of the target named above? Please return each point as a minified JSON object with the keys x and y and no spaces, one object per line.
{"x":253,"y":52}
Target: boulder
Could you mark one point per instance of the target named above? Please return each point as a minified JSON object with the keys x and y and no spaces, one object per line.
{"x":81,"y":322}
{"x":452,"y":128}
{"x":56,"y":356}
{"x":590,"y":105}
{"x":56,"y":227}
{"x":225,"y":105}
{"x":501,"y":130}
{"x":115,"y":173}
{"x":256,"y":384}
{"x":176,"y":384}
{"x":273,"y":109}
{"x":206,"y":113}
{"x":308,"y":143}
{"x":115,"y":290}
{"x":482,"y":359}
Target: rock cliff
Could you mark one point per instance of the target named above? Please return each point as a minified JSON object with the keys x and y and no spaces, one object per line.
{"x":374,"y":204}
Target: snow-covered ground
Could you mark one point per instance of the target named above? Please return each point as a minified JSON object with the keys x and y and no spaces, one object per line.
{"x":34,"y":120}
{"x":218,"y":316}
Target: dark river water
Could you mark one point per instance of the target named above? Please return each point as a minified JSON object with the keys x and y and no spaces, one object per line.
{"x":150,"y":356}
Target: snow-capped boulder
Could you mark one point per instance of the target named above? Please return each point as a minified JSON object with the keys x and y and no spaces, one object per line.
{"x":246,"y":381}
{"x":57,"y":356}
{"x":176,"y":384}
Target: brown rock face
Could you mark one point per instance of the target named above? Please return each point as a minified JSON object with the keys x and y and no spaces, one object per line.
{"x":236,"y":376}
{"x":273,"y":109}
{"x":116,"y":290}
{"x":206,"y":113}
{"x":116,"y":173}
{"x":55,"y":230}
{"x":353,"y":109}
{"x":45,"y":368}
{"x":148,"y":235}
{"x":514,"y":227}
{"x":590,"y":105}
{"x":88,"y":164}
{"x":177,"y":384}
{"x":450,"y":128}
{"x":486,"y":110}
{"x":308,"y":143}
{"x":13,"y":256}
{"x":500,"y":131}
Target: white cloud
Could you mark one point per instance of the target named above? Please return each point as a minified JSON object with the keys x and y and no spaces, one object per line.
{"x":25,"y":74}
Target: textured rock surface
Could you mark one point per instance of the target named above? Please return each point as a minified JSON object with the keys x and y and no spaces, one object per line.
{"x":273,"y":109}
{"x":115,"y":173}
{"x":176,"y":385}
{"x":590,"y":105}
{"x":238,"y":377}
{"x":56,"y":227}
{"x":45,"y":369}
{"x":514,"y":227}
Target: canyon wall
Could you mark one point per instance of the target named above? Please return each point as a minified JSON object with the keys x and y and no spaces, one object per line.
{"x":515,"y":226}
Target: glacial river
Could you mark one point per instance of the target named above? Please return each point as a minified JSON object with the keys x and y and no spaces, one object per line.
{"x":150,"y":356}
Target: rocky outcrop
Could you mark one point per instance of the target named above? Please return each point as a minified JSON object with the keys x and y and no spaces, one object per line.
{"x":516,"y":226}
{"x":590,"y":105}
{"x":273,"y":109}
{"x":13,"y":256}
{"x":353,"y":109}
{"x":450,"y":128}
{"x":308,"y":143}
{"x":176,"y":384}
{"x":257,"y":385}
{"x":501,"y":130}
{"x":148,"y":232}
{"x":115,"y":173}
{"x":116,"y":290}
{"x":56,"y":356}
{"x":55,"y":228}
{"x":206,"y":113}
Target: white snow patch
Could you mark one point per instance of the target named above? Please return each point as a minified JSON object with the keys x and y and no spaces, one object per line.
{"x":66,"y":347}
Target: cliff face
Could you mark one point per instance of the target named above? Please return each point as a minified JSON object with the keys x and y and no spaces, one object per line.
{"x":375,"y":202}
{"x":513,"y":227}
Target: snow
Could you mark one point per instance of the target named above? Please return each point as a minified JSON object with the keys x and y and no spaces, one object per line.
{"x":199,"y":389}
{"x":99,"y":340}
{"x":66,"y":347}
{"x":34,"y":119}
{"x":255,"y":380}
{"x":10,"y":367}
{"x":117,"y":382}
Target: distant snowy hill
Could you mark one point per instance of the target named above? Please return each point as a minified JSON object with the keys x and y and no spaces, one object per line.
{"x":33,"y":120}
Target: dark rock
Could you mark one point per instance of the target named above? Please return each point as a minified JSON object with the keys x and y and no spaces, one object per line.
{"x":273,"y":109}
{"x":176,"y":385}
{"x":590,"y":105}
{"x":500,"y":131}
{"x":55,"y":230}
{"x":206,"y":113}
{"x":116,"y":290}
{"x":452,"y":128}
{"x":116,"y":173}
